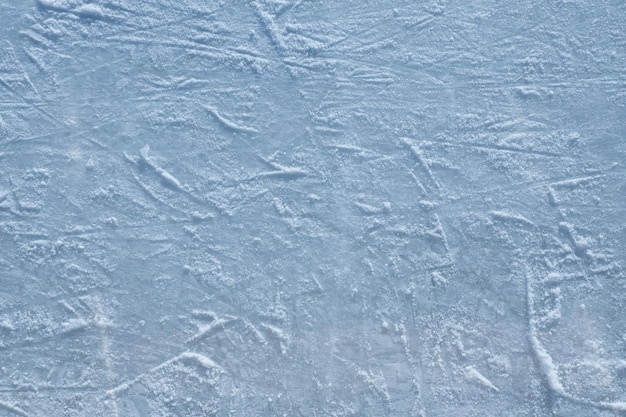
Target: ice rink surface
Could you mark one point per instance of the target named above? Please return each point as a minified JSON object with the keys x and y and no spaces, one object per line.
{"x":312,"y":208}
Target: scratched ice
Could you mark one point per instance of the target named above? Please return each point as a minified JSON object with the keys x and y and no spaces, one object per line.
{"x":312,"y":208}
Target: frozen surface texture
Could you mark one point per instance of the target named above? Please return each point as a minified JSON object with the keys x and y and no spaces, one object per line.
{"x":312,"y":208}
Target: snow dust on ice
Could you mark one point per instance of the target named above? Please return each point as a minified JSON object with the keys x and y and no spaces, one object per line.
{"x":312,"y":208}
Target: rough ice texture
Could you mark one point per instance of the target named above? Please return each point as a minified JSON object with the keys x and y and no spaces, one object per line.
{"x":295,"y":207}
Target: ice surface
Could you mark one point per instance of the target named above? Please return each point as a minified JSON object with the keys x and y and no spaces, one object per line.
{"x":312,"y":208}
